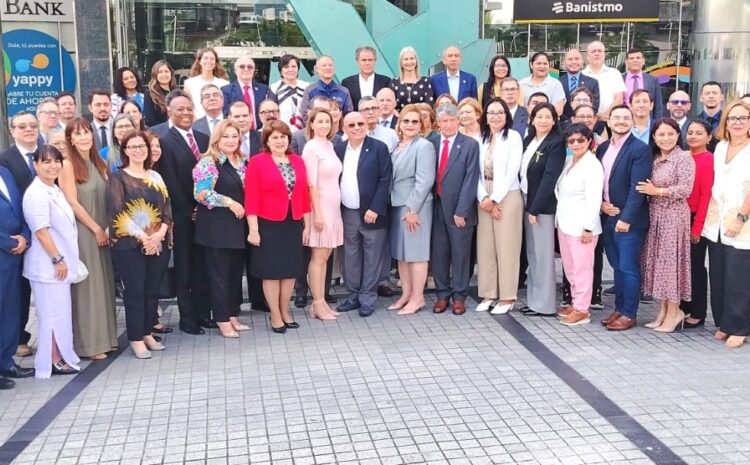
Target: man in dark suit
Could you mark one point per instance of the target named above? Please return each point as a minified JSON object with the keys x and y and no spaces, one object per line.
{"x":678,"y":107}
{"x":365,"y":189}
{"x":454,"y":211}
{"x":459,"y":84}
{"x":573,"y":79}
{"x":627,"y":162}
{"x":100,"y":107}
{"x":212,"y":101}
{"x":24,"y":129}
{"x":246,"y":89}
{"x":635,"y":78}
{"x":14,"y":238}
{"x":181,"y":148}
{"x":510,"y":91}
{"x":387,"y":102}
{"x":367,"y":82}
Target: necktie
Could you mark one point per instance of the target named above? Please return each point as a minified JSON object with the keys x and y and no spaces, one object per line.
{"x":246,"y":145}
{"x":193,"y":146}
{"x":443,"y":164}
{"x":384,"y":123}
{"x":636,"y":82}
{"x":30,"y":156}
{"x":573,"y":83}
{"x":249,"y":102}
{"x":103,"y":136}
{"x":214,"y":122}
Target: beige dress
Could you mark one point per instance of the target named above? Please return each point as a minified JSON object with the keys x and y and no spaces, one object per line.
{"x":94,"y":320}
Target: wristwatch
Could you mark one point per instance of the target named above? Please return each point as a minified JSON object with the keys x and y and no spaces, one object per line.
{"x":58,"y":259}
{"x":742,"y":217}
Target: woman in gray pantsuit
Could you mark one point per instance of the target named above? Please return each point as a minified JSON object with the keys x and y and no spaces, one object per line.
{"x":414,"y":162}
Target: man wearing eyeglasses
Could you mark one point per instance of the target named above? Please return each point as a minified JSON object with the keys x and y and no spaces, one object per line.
{"x":48,"y":114}
{"x":574,"y":79}
{"x":212,"y":101}
{"x":510,"y":91}
{"x":365,"y":189}
{"x":246,"y":89}
{"x":18,"y":159}
{"x":678,"y":107}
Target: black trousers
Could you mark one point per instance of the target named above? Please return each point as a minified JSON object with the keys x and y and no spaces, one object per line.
{"x":254,"y":285}
{"x":598,"y":267}
{"x":23,"y":336}
{"x":300,"y":285}
{"x":141,"y":274}
{"x":698,"y":304}
{"x":190,"y":274}
{"x":728,"y":269}
{"x":224,"y":269}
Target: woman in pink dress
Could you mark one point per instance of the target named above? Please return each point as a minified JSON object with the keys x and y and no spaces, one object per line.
{"x":323,"y":171}
{"x":665,"y":259}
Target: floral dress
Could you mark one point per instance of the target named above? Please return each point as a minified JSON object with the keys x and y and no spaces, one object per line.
{"x":205,"y":175}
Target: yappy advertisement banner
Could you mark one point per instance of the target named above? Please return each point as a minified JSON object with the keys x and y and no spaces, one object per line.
{"x":36,"y":66}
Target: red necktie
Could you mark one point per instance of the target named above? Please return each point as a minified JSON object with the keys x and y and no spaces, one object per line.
{"x":443,"y":164}
{"x":249,"y":102}
{"x":193,"y":146}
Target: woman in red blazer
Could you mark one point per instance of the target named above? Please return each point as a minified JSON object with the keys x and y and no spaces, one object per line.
{"x":277,"y":205}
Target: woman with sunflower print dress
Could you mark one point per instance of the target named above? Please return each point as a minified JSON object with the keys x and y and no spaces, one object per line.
{"x":140,"y":218}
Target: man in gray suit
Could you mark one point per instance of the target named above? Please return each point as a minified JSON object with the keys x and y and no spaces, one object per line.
{"x":635,"y":78}
{"x":454,"y":210}
{"x":212,"y":101}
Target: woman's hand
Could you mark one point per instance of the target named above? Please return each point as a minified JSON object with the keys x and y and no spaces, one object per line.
{"x":586,"y":237}
{"x":647,"y":187}
{"x":695,"y":238}
{"x":237,"y":209}
{"x":61,"y":271}
{"x":152,"y":241}
{"x":486,"y":204}
{"x":306,"y":235}
{"x":532,"y":220}
{"x":101,"y":237}
{"x":412,"y":221}
{"x":496,"y":212}
{"x":733,"y":228}
{"x":254,"y":238}
{"x":320,"y":222}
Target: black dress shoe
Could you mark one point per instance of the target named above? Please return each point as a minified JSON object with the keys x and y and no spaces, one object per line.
{"x":261,"y":306}
{"x":6,"y":383}
{"x":533,"y":313}
{"x":331,"y":299}
{"x":208,"y":323}
{"x":191,"y":329}
{"x":156,"y":338}
{"x":697,"y":324}
{"x":59,"y":369}
{"x":385,"y":291}
{"x":279,"y":330}
{"x":609,"y":291}
{"x":348,"y":305}
{"x":292,"y":325}
{"x":162,"y":330}
{"x":366,"y":310}
{"x":17,"y":372}
{"x":300,"y":301}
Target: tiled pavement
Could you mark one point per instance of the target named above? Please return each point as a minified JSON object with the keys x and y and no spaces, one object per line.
{"x":389,"y":389}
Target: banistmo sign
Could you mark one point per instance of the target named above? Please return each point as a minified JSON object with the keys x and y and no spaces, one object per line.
{"x":555,"y":11}
{"x":36,"y":10}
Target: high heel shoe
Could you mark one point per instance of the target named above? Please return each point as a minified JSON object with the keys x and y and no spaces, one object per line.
{"x":62,"y":368}
{"x":230,"y":334}
{"x":292,"y":325}
{"x":317,"y":310}
{"x":669,"y":328}
{"x":398,"y":305}
{"x":657,"y":322}
{"x":279,"y":330}
{"x":140,"y":354}
{"x":155,"y":347}
{"x":735,"y":342}
{"x":410,"y":308}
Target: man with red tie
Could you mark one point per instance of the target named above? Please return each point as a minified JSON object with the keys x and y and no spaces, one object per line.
{"x":181,"y":148}
{"x":246,"y":89}
{"x":454,"y":210}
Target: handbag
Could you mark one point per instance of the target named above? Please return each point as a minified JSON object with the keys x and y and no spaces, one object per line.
{"x":83,"y":273}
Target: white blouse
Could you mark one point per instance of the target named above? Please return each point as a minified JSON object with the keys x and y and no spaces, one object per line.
{"x":506,"y":162}
{"x":579,"y":196}
{"x":730,"y":190}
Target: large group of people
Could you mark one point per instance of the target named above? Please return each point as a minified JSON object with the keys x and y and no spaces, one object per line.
{"x":289,"y":183}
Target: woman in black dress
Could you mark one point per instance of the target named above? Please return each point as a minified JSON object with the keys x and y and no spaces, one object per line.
{"x":410,"y":86}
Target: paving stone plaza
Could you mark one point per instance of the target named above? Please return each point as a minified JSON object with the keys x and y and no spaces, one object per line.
{"x":388,"y":389}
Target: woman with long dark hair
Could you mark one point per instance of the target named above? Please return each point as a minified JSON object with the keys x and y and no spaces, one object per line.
{"x":499,"y":70}
{"x":154,"y":104}
{"x":127,"y":86}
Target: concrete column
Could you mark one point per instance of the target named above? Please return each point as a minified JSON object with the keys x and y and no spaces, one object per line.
{"x":94,"y":48}
{"x":721,"y":47}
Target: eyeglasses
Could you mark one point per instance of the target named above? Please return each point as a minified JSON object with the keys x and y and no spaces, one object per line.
{"x":137,"y":148}
{"x":245,"y":66}
{"x":577,"y":140}
{"x":508,"y":89}
{"x":369,"y":110}
{"x":269,"y":112}
{"x":500,"y":65}
{"x":495,"y":114}
{"x":50,"y":113}
{"x":410,"y":121}
{"x":25,"y":126}
{"x":360,"y":124}
{"x":738,"y":119}
{"x":124,"y":126}
{"x":679,"y":102}
{"x":215,"y":95}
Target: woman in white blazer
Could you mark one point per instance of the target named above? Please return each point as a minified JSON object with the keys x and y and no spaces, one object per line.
{"x":500,"y":216}
{"x":51,"y":264}
{"x":579,"y":197}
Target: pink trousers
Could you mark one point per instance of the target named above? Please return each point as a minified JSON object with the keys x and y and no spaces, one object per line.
{"x":578,"y":262}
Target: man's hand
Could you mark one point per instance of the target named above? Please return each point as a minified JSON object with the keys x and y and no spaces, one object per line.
{"x":460,"y":221}
{"x":21,"y":247}
{"x":609,"y":209}
{"x":370,"y":217}
{"x":622,"y":226}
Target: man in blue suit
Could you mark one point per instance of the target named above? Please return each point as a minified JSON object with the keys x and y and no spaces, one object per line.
{"x":246,"y":89}
{"x":365,"y":190}
{"x":14,"y":238}
{"x":454,"y":211}
{"x":627,"y":161}
{"x":635,"y":78}
{"x":459,"y":84}
{"x":574,"y":79}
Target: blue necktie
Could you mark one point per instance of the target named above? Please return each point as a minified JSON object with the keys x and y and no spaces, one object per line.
{"x":573,"y":83}
{"x":30,"y":156}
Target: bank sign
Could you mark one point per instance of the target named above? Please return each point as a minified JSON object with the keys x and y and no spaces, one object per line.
{"x":36,"y":66}
{"x":575,"y":11}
